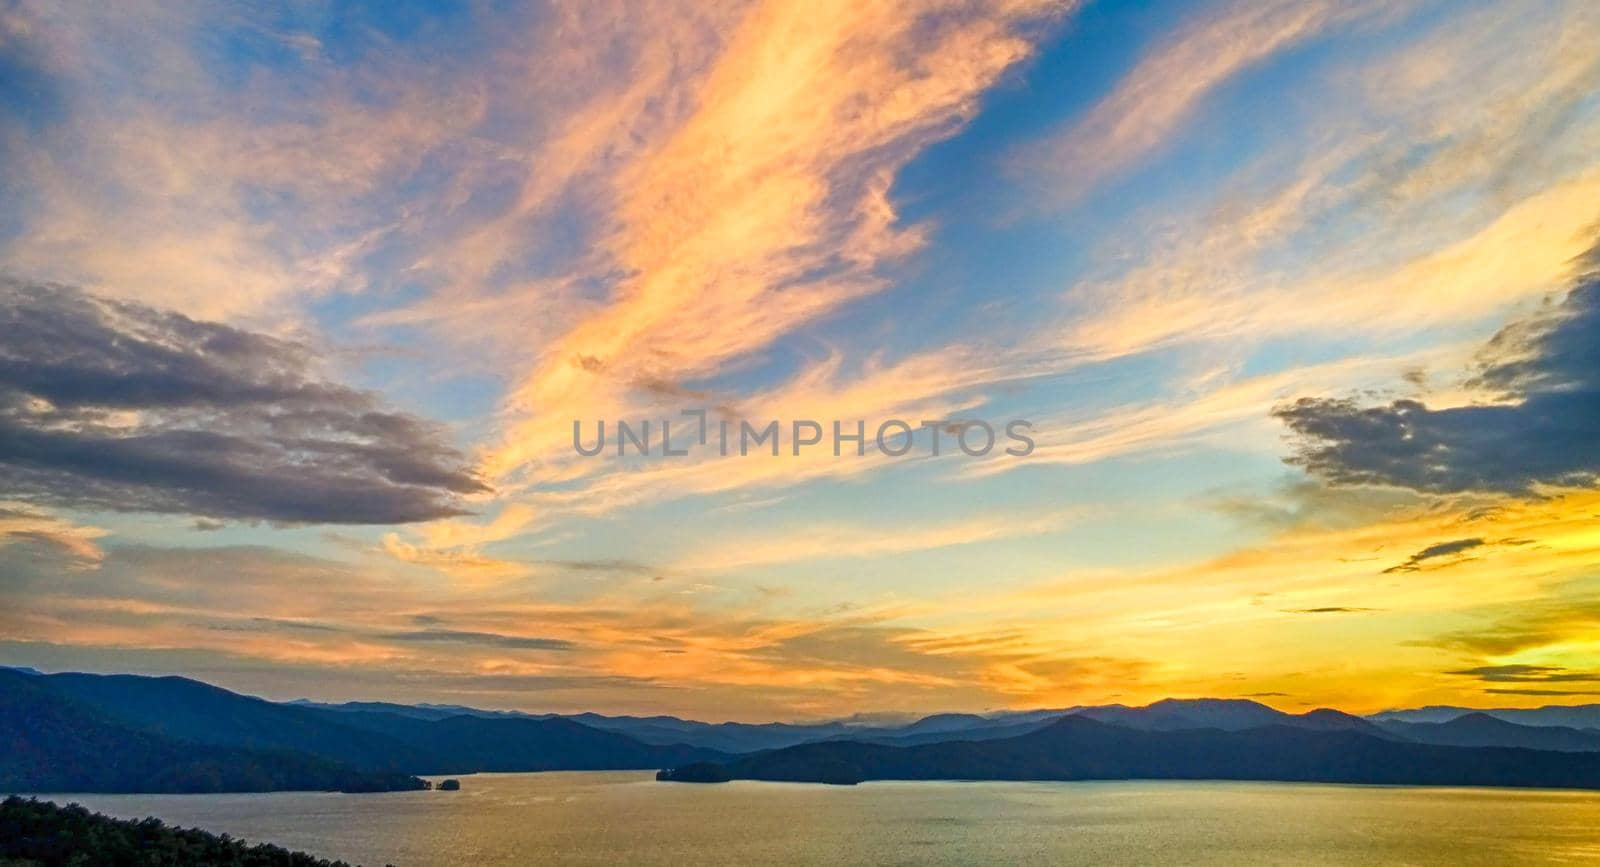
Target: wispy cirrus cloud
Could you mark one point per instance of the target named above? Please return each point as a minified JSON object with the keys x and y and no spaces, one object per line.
{"x":1166,"y":87}
{"x":768,"y":204}
{"x":480,"y":639}
{"x":1522,"y":253}
{"x":814,"y":543}
{"x":1442,"y":185}
{"x":150,"y":166}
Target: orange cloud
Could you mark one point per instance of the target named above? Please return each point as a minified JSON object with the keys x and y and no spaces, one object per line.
{"x":765,"y":208}
{"x":22,"y":524}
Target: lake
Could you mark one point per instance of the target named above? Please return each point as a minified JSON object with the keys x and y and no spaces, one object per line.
{"x":617,"y":818}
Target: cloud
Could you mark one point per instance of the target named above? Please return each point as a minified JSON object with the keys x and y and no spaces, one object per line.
{"x":1547,"y":372}
{"x":1299,"y":502}
{"x":1166,"y":87}
{"x":1545,"y":625}
{"x":1227,"y":407}
{"x":1439,"y":181}
{"x":1544,"y":692}
{"x":1213,"y":288}
{"x":115,"y":405}
{"x":139,"y":165}
{"x":1527,"y":674}
{"x":822,"y":542}
{"x":21,"y":524}
{"x":1434,"y":552}
{"x":273,"y":622}
{"x":1330,"y":609}
{"x":482,"y":639}
{"x":764,"y":208}
{"x":335,"y":681}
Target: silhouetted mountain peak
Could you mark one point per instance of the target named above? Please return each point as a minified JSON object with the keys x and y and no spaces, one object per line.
{"x":945,"y":722}
{"x":1480,"y":720}
{"x":1329,"y":719}
{"x":1170,"y":714}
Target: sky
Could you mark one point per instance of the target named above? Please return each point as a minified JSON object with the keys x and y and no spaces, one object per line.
{"x":299,"y":304}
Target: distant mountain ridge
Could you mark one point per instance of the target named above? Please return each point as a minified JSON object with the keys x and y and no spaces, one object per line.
{"x":1163,"y":715}
{"x":1578,"y":716}
{"x":177,"y":733}
{"x":729,"y":737}
{"x":1483,"y":730}
{"x":1077,"y":747}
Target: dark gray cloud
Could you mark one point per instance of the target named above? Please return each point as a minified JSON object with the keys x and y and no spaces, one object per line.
{"x":1544,"y":430}
{"x":629,"y":567}
{"x":419,"y":636}
{"x":114,"y":405}
{"x":1330,"y":609}
{"x":272,"y":624}
{"x":1434,"y":552}
{"x":1527,"y":674}
{"x":1543,"y":692}
{"x":482,"y":639}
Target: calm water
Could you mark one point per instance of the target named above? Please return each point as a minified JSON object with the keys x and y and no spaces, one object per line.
{"x":617,"y":818}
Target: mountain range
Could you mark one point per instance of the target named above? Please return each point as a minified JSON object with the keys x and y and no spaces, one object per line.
{"x":1077,"y":747}
{"x":1553,"y":727}
{"x":89,"y":732}
{"x":126,"y":733}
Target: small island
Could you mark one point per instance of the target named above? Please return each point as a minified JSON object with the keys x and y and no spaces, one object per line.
{"x":449,"y":785}
{"x":698,"y":772}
